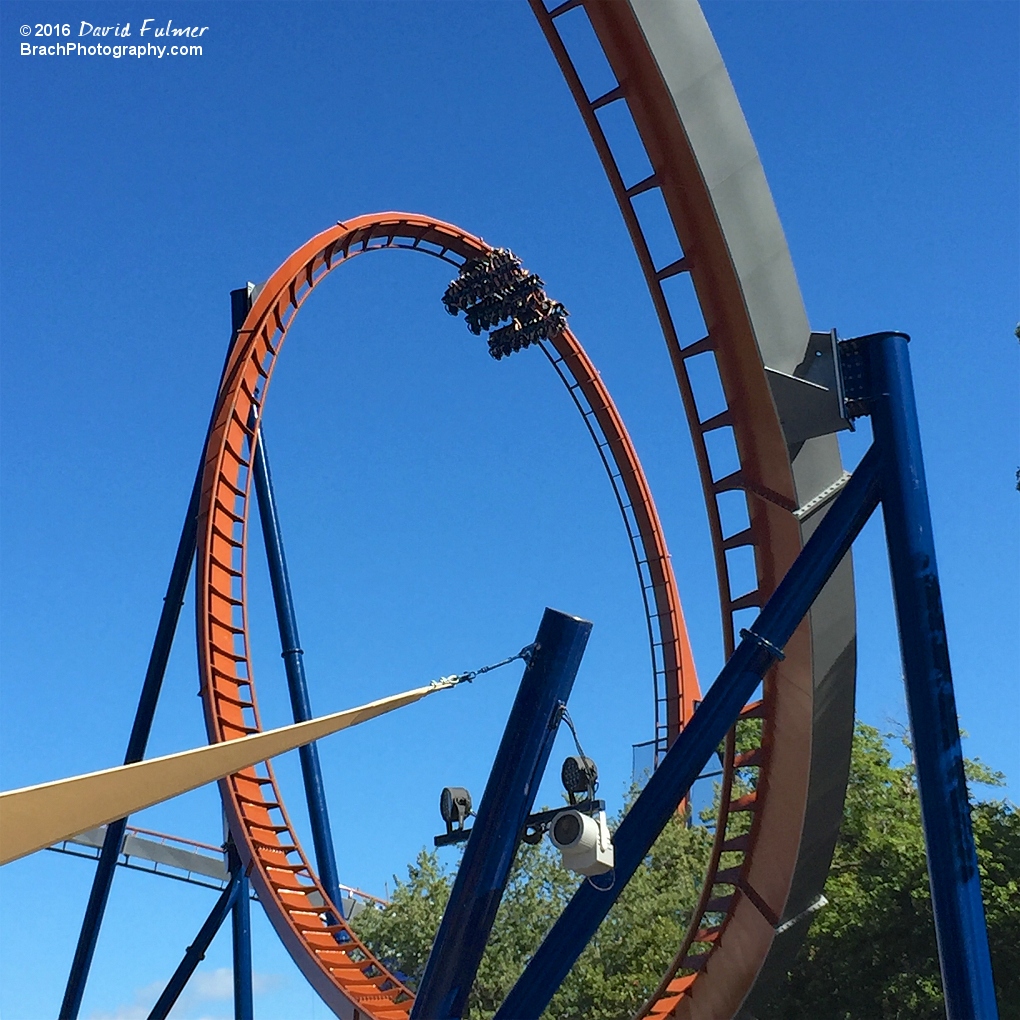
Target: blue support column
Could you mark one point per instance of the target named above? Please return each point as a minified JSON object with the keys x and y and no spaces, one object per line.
{"x":315,"y":790}
{"x":945,"y":808}
{"x":760,"y":647}
{"x":144,"y":714}
{"x":196,"y":951}
{"x":244,"y":1008}
{"x":507,"y":801}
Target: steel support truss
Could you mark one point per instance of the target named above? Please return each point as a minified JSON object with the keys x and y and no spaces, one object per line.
{"x":235,"y":898}
{"x":877,"y":381}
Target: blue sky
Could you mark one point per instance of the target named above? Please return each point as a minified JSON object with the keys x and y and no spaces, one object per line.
{"x":434,"y":501}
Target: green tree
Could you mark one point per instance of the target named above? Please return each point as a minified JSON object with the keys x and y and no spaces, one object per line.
{"x":620,"y":967}
{"x":871,"y":952}
{"x":401,"y":934}
{"x":869,"y":955}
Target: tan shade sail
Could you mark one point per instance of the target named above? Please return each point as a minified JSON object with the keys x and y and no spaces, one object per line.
{"x":38,"y":816}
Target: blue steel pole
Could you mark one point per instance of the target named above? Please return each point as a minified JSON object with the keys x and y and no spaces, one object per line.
{"x":196,"y":951}
{"x":945,"y":809}
{"x":759,"y":649}
{"x":144,"y":714}
{"x":244,"y":1008}
{"x":507,"y":801}
{"x":315,"y":790}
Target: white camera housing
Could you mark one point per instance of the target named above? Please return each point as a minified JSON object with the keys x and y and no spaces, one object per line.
{"x":584,"y":841}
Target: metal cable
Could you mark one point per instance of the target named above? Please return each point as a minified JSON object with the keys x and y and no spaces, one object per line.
{"x":459,"y":678}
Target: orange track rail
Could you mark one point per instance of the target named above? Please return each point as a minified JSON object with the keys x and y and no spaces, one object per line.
{"x":343,"y":971}
{"x":750,"y":873}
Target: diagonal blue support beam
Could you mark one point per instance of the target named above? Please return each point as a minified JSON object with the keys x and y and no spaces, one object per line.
{"x":293,"y":659}
{"x":760,"y":647}
{"x":935,"y":730}
{"x":144,"y":714}
{"x":509,"y":796}
{"x":103,"y":880}
{"x":196,"y":951}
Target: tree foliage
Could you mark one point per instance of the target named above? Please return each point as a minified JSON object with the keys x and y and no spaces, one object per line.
{"x":620,"y":967}
{"x":870,"y":954}
{"x":872,"y":951}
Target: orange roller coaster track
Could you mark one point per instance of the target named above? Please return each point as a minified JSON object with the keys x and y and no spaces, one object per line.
{"x":775,"y":831}
{"x":338,"y":965}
